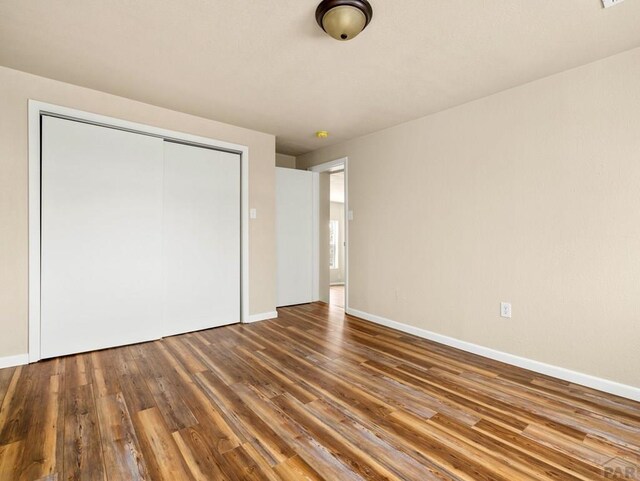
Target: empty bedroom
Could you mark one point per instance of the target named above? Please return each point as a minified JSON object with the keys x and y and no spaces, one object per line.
{"x":310,"y":240}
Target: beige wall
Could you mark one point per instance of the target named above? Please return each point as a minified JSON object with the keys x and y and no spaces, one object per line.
{"x":286,"y":161}
{"x":15,"y":89}
{"x":531,"y":196}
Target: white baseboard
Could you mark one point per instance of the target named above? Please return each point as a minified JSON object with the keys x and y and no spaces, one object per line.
{"x":11,"y":361}
{"x":262,"y":317}
{"x":612,"y":387}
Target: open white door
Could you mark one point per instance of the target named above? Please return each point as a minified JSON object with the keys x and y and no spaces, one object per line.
{"x":294,"y":236}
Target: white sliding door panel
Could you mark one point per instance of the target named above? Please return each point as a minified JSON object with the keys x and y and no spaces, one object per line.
{"x":201,"y":250}
{"x":101,"y":269}
{"x":294,"y":236}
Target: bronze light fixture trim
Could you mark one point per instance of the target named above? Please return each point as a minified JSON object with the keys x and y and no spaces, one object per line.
{"x":344,"y":19}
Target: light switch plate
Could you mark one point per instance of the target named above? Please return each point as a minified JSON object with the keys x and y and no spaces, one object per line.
{"x":505,"y":309}
{"x":253,"y":213}
{"x":350,"y":215}
{"x":611,"y":3}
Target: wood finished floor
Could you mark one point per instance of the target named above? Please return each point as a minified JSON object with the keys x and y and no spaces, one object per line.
{"x":312,"y":395}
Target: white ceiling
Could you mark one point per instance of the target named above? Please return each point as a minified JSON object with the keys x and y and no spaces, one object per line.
{"x":266,"y":65}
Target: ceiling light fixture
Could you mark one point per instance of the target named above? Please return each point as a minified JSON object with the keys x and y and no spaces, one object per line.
{"x":344,"y":19}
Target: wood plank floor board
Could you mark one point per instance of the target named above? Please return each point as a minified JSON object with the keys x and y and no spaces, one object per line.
{"x":625,"y":434}
{"x":315,"y":394}
{"x":203,"y":458}
{"x":309,"y":449}
{"x":551,"y":455}
{"x":323,"y":384}
{"x":211,"y":424}
{"x":401,"y":463}
{"x":10,"y":455}
{"x":350,"y":454}
{"x":507,"y":454}
{"x":488,"y":407}
{"x":122,"y":453}
{"x":423,"y":402}
{"x":267,"y":441}
{"x":83,"y":458}
{"x":41,"y":456}
{"x":134,"y":386}
{"x":296,"y":469}
{"x":6,"y":375}
{"x":14,"y":412}
{"x":162,"y":455}
{"x":182,"y":354}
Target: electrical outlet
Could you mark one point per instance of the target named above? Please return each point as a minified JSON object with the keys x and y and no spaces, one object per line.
{"x":505,"y":309}
{"x":611,"y":3}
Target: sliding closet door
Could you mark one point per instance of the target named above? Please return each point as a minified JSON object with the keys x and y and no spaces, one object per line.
{"x":101,"y":237}
{"x":201,"y":251}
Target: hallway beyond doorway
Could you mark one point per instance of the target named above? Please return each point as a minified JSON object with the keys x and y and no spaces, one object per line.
{"x":336,"y":296}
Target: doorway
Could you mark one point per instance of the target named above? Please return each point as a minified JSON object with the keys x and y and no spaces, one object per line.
{"x":336,"y":238}
{"x":333,"y":213}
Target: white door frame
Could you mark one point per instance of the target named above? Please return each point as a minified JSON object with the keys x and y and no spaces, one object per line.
{"x":326,"y":167}
{"x":36,"y":110}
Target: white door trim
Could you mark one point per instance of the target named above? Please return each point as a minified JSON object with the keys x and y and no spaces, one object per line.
{"x":329,"y":166}
{"x":36,"y":110}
